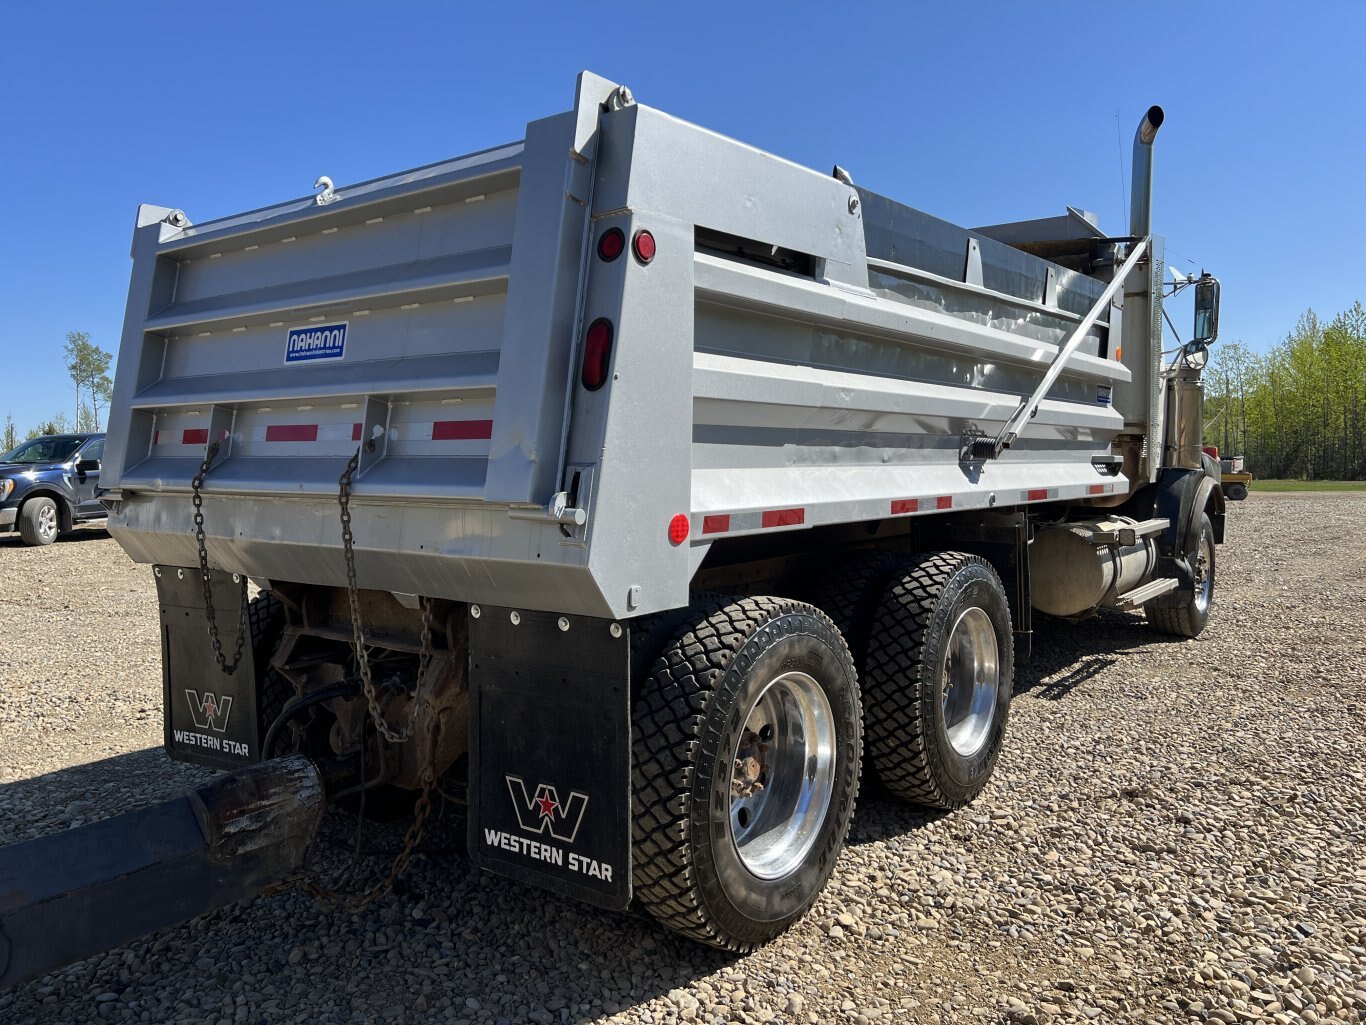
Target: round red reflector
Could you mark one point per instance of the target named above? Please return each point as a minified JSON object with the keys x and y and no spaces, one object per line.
{"x":597,"y":353}
{"x":678,"y":529}
{"x":612,"y":244}
{"x":644,"y":246}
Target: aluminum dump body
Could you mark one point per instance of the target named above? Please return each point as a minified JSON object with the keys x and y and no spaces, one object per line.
{"x":799,"y":352}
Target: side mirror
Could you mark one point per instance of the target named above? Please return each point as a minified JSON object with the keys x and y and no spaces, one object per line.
{"x":87,"y":465}
{"x":1195,"y":355}
{"x":1206,"y":310}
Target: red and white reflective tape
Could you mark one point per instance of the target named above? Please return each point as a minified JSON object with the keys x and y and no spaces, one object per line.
{"x":1100,"y":489}
{"x":292,"y":432}
{"x":440,"y":430}
{"x":1039,"y":495}
{"x":765,"y":519}
{"x":462,"y":430}
{"x":189,"y":436}
{"x":906,"y":506}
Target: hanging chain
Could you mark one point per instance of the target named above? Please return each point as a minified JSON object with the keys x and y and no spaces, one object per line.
{"x":358,"y":630}
{"x":210,"y":613}
{"x":312,"y":884}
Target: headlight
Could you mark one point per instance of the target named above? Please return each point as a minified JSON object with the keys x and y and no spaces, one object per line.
{"x":6,"y":486}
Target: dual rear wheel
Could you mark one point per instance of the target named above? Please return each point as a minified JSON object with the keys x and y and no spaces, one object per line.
{"x":750,"y":729}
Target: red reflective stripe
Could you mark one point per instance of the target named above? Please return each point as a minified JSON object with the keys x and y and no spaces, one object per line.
{"x":944,"y":502}
{"x":1036,"y":494}
{"x":905,"y":505}
{"x":715,"y":524}
{"x":195,"y":436}
{"x":355,"y":432}
{"x":783,"y":517}
{"x":292,"y":432}
{"x":462,"y":430}
{"x":1096,"y":489}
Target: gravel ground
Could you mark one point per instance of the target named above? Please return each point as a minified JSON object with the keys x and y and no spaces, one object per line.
{"x":1175,"y":832}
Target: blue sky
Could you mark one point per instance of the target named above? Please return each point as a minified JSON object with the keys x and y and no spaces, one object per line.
{"x":976,"y":113}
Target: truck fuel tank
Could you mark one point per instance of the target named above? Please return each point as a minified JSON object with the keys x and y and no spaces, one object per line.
{"x":1075,"y":568}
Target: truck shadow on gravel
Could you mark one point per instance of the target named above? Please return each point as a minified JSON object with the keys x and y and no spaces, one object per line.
{"x":79,"y":794}
{"x":450,"y":943}
{"x":80,"y":534}
{"x":1066,"y":656}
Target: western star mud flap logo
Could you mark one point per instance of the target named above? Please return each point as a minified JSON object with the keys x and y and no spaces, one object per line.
{"x":542,"y":812}
{"x":210,"y":713}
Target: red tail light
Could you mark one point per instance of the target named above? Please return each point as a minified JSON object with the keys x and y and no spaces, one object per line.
{"x":611,"y":245}
{"x":597,"y":353}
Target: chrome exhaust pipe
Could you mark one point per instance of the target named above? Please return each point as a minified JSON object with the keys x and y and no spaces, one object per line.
{"x":1141,"y":193}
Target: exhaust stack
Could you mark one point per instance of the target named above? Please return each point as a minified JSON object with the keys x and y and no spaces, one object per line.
{"x":1141,"y":194}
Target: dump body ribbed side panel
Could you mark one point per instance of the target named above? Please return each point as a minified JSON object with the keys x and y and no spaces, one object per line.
{"x":852,"y":405}
{"x":794,"y":352}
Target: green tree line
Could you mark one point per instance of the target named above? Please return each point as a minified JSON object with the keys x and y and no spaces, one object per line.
{"x":1298,"y":411}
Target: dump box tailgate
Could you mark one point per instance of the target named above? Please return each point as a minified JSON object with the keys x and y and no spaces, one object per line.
{"x":425,"y":320}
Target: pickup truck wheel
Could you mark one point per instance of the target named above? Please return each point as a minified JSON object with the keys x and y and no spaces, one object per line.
{"x":1185,"y":612}
{"x":38,"y":522}
{"x":939,"y":675}
{"x":747,"y":737}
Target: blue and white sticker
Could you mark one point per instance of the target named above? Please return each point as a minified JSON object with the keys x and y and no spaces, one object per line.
{"x":317,"y":343}
{"x":1103,"y":393}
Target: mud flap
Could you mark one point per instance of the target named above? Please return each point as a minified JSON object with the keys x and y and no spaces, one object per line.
{"x":550,"y":752}
{"x":210,"y":716}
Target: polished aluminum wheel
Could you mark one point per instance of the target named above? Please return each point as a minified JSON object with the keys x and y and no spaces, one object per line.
{"x":782,"y":775}
{"x":47,"y":522}
{"x":972,"y":677}
{"x":1204,"y":575}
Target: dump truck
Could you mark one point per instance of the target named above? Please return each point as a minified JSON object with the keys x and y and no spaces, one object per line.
{"x":646,"y":488}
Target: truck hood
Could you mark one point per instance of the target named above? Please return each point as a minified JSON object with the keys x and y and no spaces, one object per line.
{"x":15,"y":469}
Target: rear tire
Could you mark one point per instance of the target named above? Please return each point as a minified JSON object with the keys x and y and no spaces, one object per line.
{"x":848,"y":590}
{"x":266,"y":621}
{"x":745,"y":770}
{"x":939,"y":677}
{"x":1185,"y":612}
{"x":1236,"y":492}
{"x":39,"y":522}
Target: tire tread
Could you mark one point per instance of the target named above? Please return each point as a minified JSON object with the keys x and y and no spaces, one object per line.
{"x":265,"y":621}
{"x":28,"y":522}
{"x":670,"y":718}
{"x":897,"y":726}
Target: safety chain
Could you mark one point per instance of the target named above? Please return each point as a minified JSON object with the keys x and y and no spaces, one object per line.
{"x":358,"y":631}
{"x":210,"y":613}
{"x":311,"y":883}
